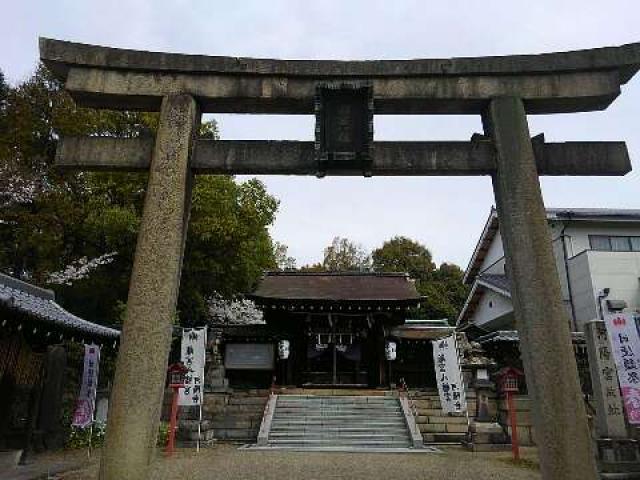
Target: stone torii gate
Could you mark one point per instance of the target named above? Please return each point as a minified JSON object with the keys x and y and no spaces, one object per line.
{"x":344,"y":96}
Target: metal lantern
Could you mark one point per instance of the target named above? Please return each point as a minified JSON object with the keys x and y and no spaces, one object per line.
{"x":390,"y":350}
{"x":509,"y":379}
{"x":177,"y":374}
{"x":284,"y":349}
{"x":509,"y":385}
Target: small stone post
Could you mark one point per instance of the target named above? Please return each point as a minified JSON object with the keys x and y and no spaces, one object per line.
{"x":141,"y":367}
{"x":606,"y":391}
{"x":559,"y":417}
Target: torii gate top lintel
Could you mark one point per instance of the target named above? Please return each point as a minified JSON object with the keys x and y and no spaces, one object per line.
{"x":580,"y":80}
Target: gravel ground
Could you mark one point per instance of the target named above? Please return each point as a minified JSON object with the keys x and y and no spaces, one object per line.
{"x":226,"y":462}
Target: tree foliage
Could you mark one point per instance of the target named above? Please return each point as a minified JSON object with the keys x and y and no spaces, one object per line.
{"x":54,"y":222}
{"x":401,"y":254}
{"x":441,"y":286}
{"x":343,"y":255}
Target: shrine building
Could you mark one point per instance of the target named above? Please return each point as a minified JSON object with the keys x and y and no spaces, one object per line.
{"x":340,"y":329}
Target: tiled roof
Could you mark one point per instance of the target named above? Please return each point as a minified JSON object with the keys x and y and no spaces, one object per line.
{"x":499,"y":281}
{"x":39,"y":304}
{"x":513,"y":336}
{"x":336,"y":286}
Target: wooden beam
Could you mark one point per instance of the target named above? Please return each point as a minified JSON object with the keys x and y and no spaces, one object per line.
{"x":257,"y":157}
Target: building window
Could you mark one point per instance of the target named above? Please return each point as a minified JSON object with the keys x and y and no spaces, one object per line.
{"x":620,"y":244}
{"x":600,"y":242}
{"x":609,"y":243}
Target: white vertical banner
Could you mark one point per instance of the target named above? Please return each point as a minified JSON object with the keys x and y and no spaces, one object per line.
{"x":625,"y":343}
{"x":85,"y":406}
{"x":193,"y":357}
{"x":448,"y":375}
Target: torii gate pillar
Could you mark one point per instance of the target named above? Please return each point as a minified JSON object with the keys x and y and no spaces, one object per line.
{"x":561,"y":429}
{"x":153,"y":292}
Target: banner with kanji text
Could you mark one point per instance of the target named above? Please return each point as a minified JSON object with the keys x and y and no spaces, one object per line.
{"x":448,"y":375}
{"x":194,"y":342}
{"x":85,"y":406}
{"x":625,"y":346}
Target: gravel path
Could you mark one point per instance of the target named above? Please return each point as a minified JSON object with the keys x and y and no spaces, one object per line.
{"x":226,"y":462}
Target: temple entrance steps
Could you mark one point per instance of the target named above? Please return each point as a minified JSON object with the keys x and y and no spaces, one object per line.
{"x":436,"y":426}
{"x":318,"y":421}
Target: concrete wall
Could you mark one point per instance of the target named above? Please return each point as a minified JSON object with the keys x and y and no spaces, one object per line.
{"x":579,"y":233}
{"x":592,"y":271}
{"x":584,"y":296}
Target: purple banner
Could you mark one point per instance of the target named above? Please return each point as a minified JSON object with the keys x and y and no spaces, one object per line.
{"x":83,"y":415}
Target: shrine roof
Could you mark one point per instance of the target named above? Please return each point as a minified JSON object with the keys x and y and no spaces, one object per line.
{"x":39,"y":304}
{"x":357,"y":287}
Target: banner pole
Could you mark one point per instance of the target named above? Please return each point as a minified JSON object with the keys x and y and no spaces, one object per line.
{"x":204,"y":361}
{"x":464,"y":387}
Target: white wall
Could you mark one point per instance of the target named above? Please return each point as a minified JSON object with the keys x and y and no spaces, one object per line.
{"x":494,"y":259}
{"x":491,"y":306}
{"x":589,"y":271}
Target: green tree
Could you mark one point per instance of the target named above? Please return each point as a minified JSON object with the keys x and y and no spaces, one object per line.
{"x":401,"y":254}
{"x":51,"y":220}
{"x":442,"y":286}
{"x":344,"y":255}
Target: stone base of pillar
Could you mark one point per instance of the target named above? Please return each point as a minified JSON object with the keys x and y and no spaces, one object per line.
{"x":187,"y":435}
{"x":618,"y":458}
{"x":486,"y":437}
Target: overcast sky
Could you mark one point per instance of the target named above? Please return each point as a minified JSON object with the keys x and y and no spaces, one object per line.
{"x":446,"y":214}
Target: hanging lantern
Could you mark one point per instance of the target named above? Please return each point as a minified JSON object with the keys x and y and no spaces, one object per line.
{"x":283,"y":349}
{"x":390,"y":350}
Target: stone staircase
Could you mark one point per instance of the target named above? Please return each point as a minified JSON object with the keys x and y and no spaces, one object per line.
{"x":336,"y":422}
{"x":435,"y":425}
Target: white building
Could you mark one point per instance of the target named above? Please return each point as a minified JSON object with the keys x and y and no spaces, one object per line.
{"x":595,"y":250}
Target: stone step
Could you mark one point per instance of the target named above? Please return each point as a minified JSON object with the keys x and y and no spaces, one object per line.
{"x":379,"y":437}
{"x":350,"y":400}
{"x":234,"y":400}
{"x":346,"y":412}
{"x":335,"y":443}
{"x":331,"y":419}
{"x":397,"y":433}
{"x":353,"y":421}
{"x":282,"y":422}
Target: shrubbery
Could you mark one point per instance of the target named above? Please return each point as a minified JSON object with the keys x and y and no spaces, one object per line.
{"x":79,"y":437}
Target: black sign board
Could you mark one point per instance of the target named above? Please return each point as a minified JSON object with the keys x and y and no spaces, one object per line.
{"x":344,"y":128}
